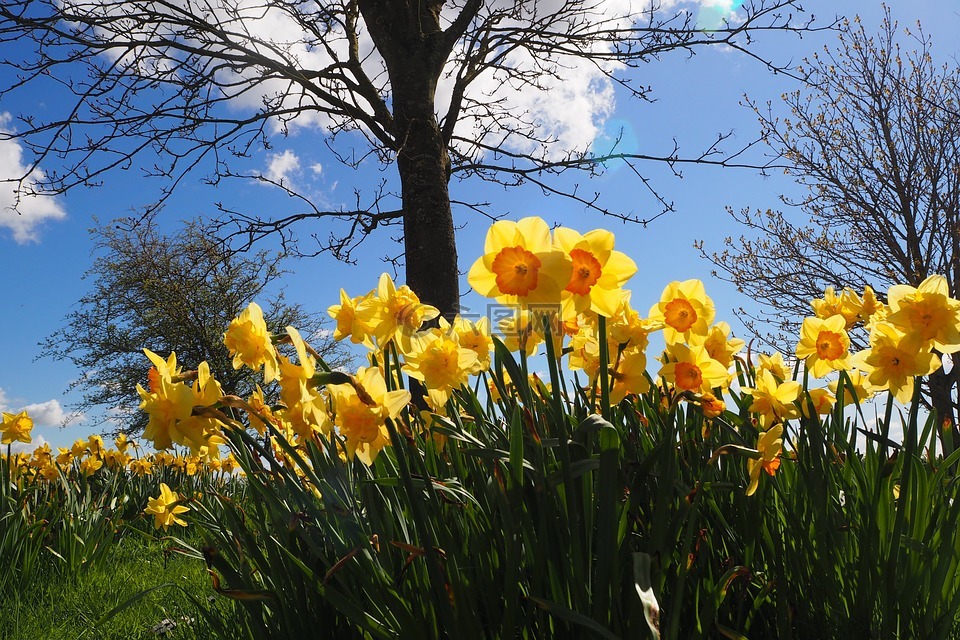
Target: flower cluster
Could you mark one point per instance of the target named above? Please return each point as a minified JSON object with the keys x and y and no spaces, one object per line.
{"x":90,"y":456}
{"x":566,"y":291}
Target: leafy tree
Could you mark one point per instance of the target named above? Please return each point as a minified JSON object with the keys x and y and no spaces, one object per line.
{"x":873,"y":135}
{"x":168,"y":293}
{"x":429,"y":87}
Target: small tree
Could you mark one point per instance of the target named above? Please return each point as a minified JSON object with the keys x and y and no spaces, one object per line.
{"x":168,"y":293}
{"x":873,"y":136}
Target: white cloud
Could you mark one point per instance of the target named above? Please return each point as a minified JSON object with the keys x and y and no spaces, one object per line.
{"x":569,"y":109}
{"x":281,"y":166}
{"x":31,"y":211}
{"x":43,"y":414}
{"x":51,"y":413}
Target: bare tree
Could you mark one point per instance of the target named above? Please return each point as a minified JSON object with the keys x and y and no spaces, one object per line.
{"x":873,"y":136}
{"x":159,"y":85}
{"x":169,"y":292}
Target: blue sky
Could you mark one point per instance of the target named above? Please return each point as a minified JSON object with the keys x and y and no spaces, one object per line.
{"x":44,"y":255}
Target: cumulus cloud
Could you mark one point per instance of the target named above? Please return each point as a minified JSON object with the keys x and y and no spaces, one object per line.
{"x":51,"y":413}
{"x":31,"y":212}
{"x":43,"y":414}
{"x":280,"y":166}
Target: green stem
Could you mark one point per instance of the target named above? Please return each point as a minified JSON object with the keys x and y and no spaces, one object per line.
{"x":604,"y":368}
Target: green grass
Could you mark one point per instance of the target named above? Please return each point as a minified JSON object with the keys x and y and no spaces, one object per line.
{"x":59,"y":607}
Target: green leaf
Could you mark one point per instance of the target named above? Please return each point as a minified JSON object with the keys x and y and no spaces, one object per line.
{"x":573,"y":617}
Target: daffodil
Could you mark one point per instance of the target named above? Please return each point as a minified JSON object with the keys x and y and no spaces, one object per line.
{"x":869,"y":305}
{"x":927,"y":310}
{"x":774,"y":364}
{"x":773,"y":400}
{"x":597,"y":273}
{"x":824,"y":345}
{"x":692,"y":369}
{"x":170,"y":404}
{"x":165,"y":510}
{"x":200,"y":429}
{"x":361,"y":410}
{"x":585,"y":351}
{"x":848,"y":304}
{"x":16,"y":427}
{"x":685,"y":310}
{"x":712,"y":406}
{"x":769,"y":446}
{"x":861,"y":389}
{"x":629,"y":376}
{"x":894,"y":359}
{"x":521,"y":332}
{"x":475,"y":336}
{"x":398,"y":310}
{"x":627,"y":330}
{"x":520,"y":265}
{"x":250,"y":344}
{"x":720,"y":345}
{"x":822,"y":401}
{"x":436,"y":358}
{"x":90,"y":465}
{"x":355,"y":317}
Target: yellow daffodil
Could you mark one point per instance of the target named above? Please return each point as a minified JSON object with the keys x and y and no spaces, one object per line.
{"x":862,"y":389}
{"x":685,"y":310}
{"x":894,"y":359}
{"x":712,"y":406}
{"x":90,"y":465}
{"x":927,"y":310}
{"x":585,"y":351}
{"x":201,"y":430}
{"x":355,"y":317}
{"x":165,"y":510}
{"x":597,"y":274}
{"x":362,"y":409}
{"x":249,"y":342}
{"x":64,"y":457}
{"x":719,"y":345}
{"x":769,"y":446}
{"x":822,"y":401}
{"x":437,"y":359}
{"x":869,"y":305}
{"x":141,"y":467}
{"x":629,"y":377}
{"x":824,"y":345}
{"x":475,"y":336}
{"x":261,"y":411}
{"x":773,"y":400}
{"x":521,"y":332}
{"x":848,"y":304}
{"x":627,"y":330}
{"x":520,"y":265}
{"x":16,"y":427}
{"x":692,"y":369}
{"x":774,"y":364}
{"x":166,"y":407}
{"x":398,"y":310}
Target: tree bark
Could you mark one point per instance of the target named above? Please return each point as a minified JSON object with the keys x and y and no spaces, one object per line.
{"x":414,"y":47}
{"x":941,"y":385}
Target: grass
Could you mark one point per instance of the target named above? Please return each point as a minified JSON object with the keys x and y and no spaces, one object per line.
{"x":59,"y":607}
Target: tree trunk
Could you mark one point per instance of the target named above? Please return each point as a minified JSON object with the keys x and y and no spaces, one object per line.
{"x":409,"y":37}
{"x":941,"y":385}
{"x":429,"y":240}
